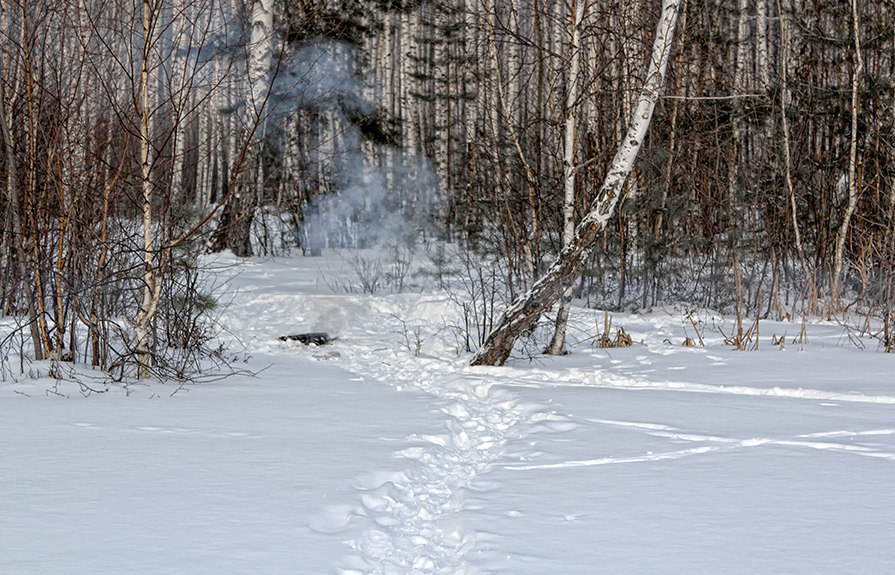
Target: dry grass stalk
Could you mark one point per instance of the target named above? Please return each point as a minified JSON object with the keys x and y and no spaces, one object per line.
{"x":604,"y":340}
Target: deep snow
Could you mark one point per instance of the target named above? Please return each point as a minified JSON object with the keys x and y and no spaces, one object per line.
{"x":363,"y":457}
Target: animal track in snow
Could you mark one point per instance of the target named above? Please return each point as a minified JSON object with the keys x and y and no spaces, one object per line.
{"x":672,"y":433}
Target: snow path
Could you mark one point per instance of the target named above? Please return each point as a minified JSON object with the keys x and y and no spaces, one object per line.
{"x":414,"y":514}
{"x":462,"y":498}
{"x":418,"y":529}
{"x":385,"y":454}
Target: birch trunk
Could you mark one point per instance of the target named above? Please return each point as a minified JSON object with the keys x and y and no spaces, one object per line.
{"x":12,"y":183}
{"x":762,"y":48}
{"x":150,"y":293}
{"x":853,"y":190}
{"x":182,"y":73}
{"x":528,"y":308}
{"x":260,"y":53}
{"x":30,"y":195}
{"x":739,"y":86}
{"x":787,"y":157}
{"x":557,"y":344}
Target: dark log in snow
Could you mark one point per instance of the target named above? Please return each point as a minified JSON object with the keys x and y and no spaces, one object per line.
{"x":319,"y":338}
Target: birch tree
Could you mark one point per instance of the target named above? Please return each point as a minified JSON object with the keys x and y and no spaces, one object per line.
{"x":558,"y":342}
{"x":251,"y":91}
{"x":526,"y":310}
{"x":149,"y":304}
{"x":853,"y":189}
{"x":787,"y":158}
{"x":8,"y":103}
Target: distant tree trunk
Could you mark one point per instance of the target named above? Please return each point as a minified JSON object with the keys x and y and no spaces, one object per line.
{"x":234,"y":229}
{"x":787,"y":157}
{"x":528,"y":308}
{"x":672,"y":141}
{"x":852,"y":166}
{"x":511,"y":118}
{"x":246,"y":174}
{"x":260,"y":54}
{"x":31,"y":196}
{"x":12,"y":184}
{"x":182,"y":76}
{"x":762,"y":49}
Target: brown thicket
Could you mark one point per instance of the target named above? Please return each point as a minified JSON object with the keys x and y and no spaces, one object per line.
{"x":108,"y":141}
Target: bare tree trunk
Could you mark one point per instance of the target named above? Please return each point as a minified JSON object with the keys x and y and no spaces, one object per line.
{"x":245,"y":173}
{"x":510,"y":116}
{"x":30,"y":208}
{"x":852,"y":166}
{"x":739,"y":85}
{"x":762,"y":49}
{"x":672,"y":139}
{"x":182,"y":73}
{"x":784,"y":94}
{"x":528,"y":308}
{"x":150,"y":292}
{"x":557,"y":344}
{"x":12,"y":183}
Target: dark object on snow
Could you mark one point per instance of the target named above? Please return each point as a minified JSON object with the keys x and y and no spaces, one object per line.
{"x":309,"y":338}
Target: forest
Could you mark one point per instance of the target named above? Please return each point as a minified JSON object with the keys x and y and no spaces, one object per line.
{"x":139,"y":135}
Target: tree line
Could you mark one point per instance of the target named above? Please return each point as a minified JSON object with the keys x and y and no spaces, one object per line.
{"x":138,"y":134}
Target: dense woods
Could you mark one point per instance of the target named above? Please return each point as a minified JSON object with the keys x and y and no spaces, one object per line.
{"x":137,"y":135}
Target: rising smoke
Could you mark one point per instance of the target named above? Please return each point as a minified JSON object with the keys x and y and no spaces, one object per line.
{"x":376,"y":196}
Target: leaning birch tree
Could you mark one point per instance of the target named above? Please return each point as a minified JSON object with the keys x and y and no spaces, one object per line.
{"x":526,"y":310}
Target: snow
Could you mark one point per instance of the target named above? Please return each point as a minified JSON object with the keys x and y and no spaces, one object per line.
{"x":384,"y":453}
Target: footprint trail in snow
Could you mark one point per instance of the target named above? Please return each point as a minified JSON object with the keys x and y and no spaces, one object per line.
{"x":414,"y":520}
{"x":417,"y":528}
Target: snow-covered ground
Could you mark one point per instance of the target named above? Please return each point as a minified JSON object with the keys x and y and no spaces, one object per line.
{"x":384,"y":453}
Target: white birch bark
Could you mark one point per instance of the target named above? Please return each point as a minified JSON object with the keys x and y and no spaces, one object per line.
{"x":150,"y":292}
{"x":260,"y":54}
{"x":853,"y":190}
{"x":514,"y":67}
{"x":182,"y":95}
{"x":742,"y":53}
{"x":739,"y":86}
{"x":787,"y":158}
{"x":441,"y":129}
{"x":558,"y":342}
{"x":473,"y":112}
{"x":761,"y":34}
{"x":408,"y":116}
{"x":10,"y":73}
{"x":523,"y":313}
